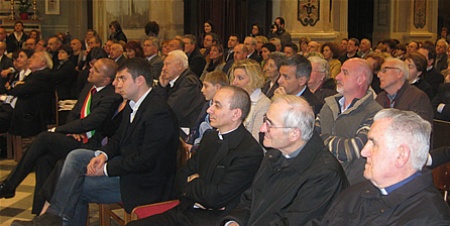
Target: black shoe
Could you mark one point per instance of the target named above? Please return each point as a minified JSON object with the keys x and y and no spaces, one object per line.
{"x":5,"y":192}
{"x":46,"y":219}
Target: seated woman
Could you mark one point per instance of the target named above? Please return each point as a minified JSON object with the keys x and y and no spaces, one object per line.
{"x":134,"y":49}
{"x":247,"y":74}
{"x":64,"y":74}
{"x":216,"y":61}
{"x":330,"y":52}
{"x":319,"y":81}
{"x":266,"y":49}
{"x":271,"y":72}
{"x":417,"y":64}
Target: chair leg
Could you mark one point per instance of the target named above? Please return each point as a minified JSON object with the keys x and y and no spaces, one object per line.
{"x":127,"y":217}
{"x":17,"y":140}
{"x":105,"y":220}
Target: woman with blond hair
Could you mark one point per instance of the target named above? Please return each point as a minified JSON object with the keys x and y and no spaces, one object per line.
{"x":247,"y":74}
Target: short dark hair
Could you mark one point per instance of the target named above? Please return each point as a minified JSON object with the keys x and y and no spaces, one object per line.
{"x":419,"y":61}
{"x":66,"y":48}
{"x":28,"y":52}
{"x":116,"y":25}
{"x":281,"y":20}
{"x":302,"y":65}
{"x":152,"y":28}
{"x":137,"y":67}
{"x":431,"y":51}
{"x":239,"y":100}
{"x":271,"y":47}
{"x":136,"y":47}
{"x":355,"y":40}
{"x":279,"y":58}
{"x":291,"y":45}
{"x":96,"y":53}
{"x":191,"y":37}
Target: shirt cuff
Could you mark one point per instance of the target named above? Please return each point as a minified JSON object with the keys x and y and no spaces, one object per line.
{"x":429,"y":160}
{"x":98,"y":152}
{"x":104,"y":169}
{"x":440,"y":108}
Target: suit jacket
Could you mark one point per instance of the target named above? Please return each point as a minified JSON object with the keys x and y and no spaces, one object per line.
{"x":197,"y":62}
{"x":121,"y":60}
{"x":64,"y":77}
{"x":434,"y":78}
{"x":156,"y":64}
{"x":34,"y":99}
{"x":12,"y":44}
{"x":185,"y":98}
{"x":441,"y":64}
{"x":226,"y":169}
{"x":291,"y":191}
{"x":103,"y":106}
{"x":5,"y":63}
{"x":315,"y":103}
{"x":269,"y":91}
{"x":255,"y":56}
{"x":143,"y":153}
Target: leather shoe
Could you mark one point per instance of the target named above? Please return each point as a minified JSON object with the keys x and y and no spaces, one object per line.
{"x":5,"y":192}
{"x":46,"y":219}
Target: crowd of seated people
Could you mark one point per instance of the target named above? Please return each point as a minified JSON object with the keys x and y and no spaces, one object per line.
{"x":305,"y":111}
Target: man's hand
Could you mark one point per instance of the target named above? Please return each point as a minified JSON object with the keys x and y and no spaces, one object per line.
{"x":163,"y":80}
{"x":78,"y":137}
{"x":280,"y":91}
{"x":192,"y":177}
{"x":5,"y":73}
{"x":95,"y":166}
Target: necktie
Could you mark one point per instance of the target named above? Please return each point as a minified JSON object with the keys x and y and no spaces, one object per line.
{"x":85,"y":111}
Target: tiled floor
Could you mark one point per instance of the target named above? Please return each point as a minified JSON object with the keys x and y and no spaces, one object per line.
{"x":19,"y":207}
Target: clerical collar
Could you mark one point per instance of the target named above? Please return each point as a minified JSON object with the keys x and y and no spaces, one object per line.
{"x":387,"y":190}
{"x":221,"y":135}
{"x":294,"y":153}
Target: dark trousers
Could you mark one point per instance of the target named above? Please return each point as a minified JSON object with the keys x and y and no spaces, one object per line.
{"x":5,"y":117}
{"x":42,"y":156}
{"x":179,"y":217}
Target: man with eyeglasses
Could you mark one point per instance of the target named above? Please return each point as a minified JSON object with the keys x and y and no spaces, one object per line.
{"x":400,"y":94}
{"x":298,"y":178}
{"x":345,"y":119}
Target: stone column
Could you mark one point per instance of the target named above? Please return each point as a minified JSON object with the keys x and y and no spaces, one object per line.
{"x":405,"y":20}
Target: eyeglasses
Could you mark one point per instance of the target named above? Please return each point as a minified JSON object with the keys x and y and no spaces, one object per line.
{"x":269,"y":125}
{"x":384,"y":69}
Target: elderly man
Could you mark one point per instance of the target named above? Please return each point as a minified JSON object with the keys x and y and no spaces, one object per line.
{"x":221,"y":169}
{"x":294,"y":76}
{"x":150,"y":48}
{"x":398,"y":93}
{"x":320,"y":82}
{"x":48,"y":147}
{"x":116,"y":54}
{"x":313,"y":46}
{"x":398,"y":191}
{"x":441,"y":55}
{"x":365,"y":48}
{"x":345,"y":118}
{"x":196,"y":60}
{"x":298,"y":178}
{"x":136,"y":166}
{"x":240,"y":53}
{"x":182,"y":89}
{"x":54,"y":43}
{"x":78,"y":53}
{"x":250,"y":43}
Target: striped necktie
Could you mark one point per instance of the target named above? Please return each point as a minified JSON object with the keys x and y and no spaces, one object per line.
{"x":85,"y":111}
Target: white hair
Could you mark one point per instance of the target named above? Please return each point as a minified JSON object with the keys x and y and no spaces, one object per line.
{"x":410,"y":129}
{"x":181,"y":56}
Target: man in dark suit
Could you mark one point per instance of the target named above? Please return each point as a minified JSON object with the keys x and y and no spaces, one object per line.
{"x":48,"y":147}
{"x":150,"y":48}
{"x":137,"y":165}
{"x":116,"y":54}
{"x":53,"y":45}
{"x":196,"y":60}
{"x":15,"y":40}
{"x":250,"y":43}
{"x":222,"y":168}
{"x":294,"y":76}
{"x":432,"y":75}
{"x":5,"y":65}
{"x":182,"y":89}
{"x":298,"y":179}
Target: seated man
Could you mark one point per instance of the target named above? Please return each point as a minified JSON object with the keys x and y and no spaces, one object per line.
{"x":223,"y":167}
{"x":136,"y":167}
{"x":398,"y":191}
{"x":86,"y":127}
{"x":298,"y":180}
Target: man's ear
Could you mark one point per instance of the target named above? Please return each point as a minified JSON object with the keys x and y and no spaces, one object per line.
{"x":402,"y":155}
{"x":237,"y":113}
{"x":295,"y":134}
{"x":302,"y":80}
